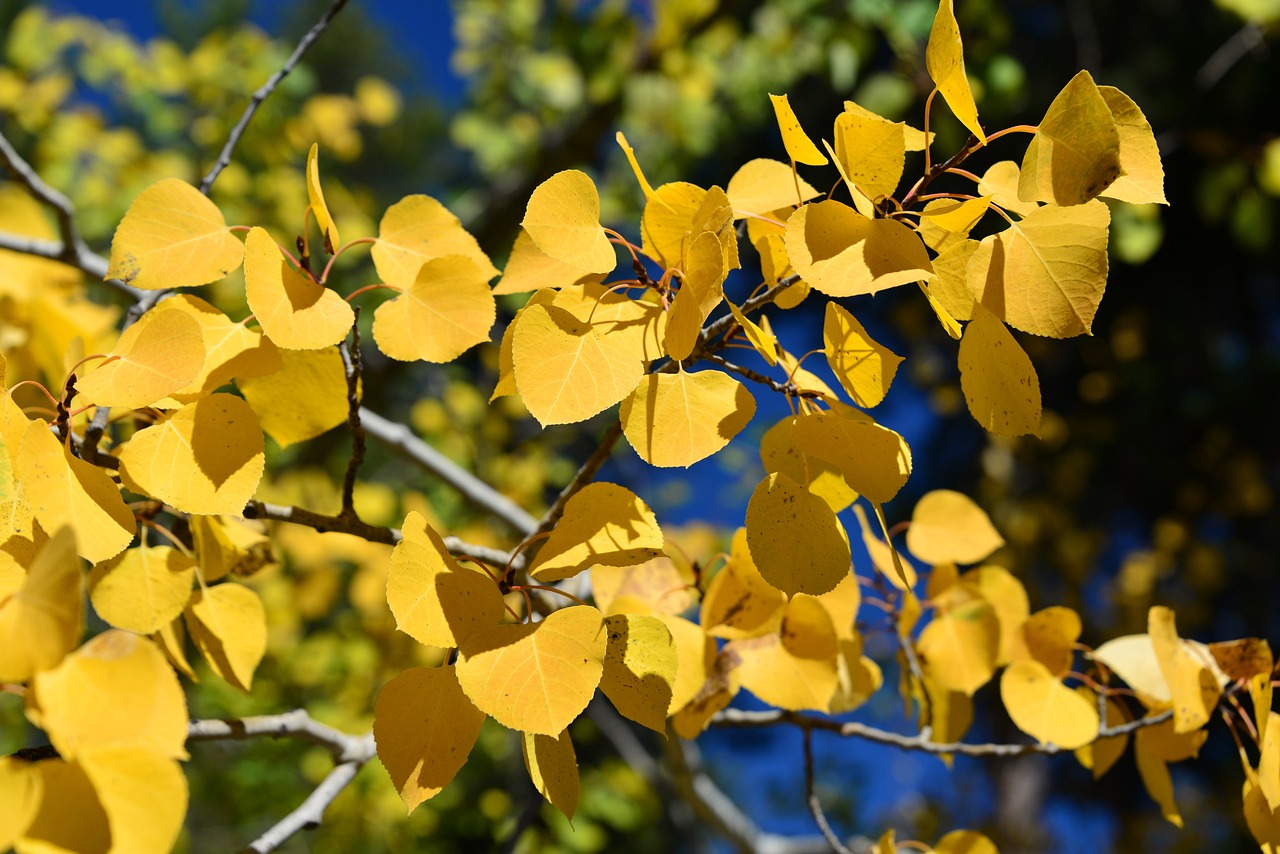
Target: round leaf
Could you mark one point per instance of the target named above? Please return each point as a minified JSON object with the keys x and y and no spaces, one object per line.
{"x":795,"y":539}
{"x":679,"y":419}
{"x":445,"y":312}
{"x":563,"y":218}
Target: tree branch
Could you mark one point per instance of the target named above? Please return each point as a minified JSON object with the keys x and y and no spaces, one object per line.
{"x":815,"y":805}
{"x":351,"y":366}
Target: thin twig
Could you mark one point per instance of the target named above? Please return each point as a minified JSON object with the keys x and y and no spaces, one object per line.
{"x":787,"y":388}
{"x":815,"y":805}
{"x":352,"y":367}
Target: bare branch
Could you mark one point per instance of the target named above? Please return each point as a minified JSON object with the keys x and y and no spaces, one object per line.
{"x":310,"y":812}
{"x":815,"y":805}
{"x":789,"y":389}
{"x":264,"y":92}
{"x":352,"y":367}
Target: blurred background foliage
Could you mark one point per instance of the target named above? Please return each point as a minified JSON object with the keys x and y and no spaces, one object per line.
{"x":1154,"y":480}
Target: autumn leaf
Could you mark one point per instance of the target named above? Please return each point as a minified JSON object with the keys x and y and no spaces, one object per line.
{"x":553,"y":769}
{"x":142,"y":589}
{"x":447,"y":310}
{"x":319,"y":209}
{"x":1075,"y":153}
{"x":1045,"y":709}
{"x":603,"y":523}
{"x":679,"y":419}
{"x":304,"y":398}
{"x":948,"y":527}
{"x":228,"y":625}
{"x":417,"y":229}
{"x":843,"y":253}
{"x":294,"y":311}
{"x":639,"y":668}
{"x":42,"y":620}
{"x":158,"y":355}
{"x":799,"y":146}
{"x":795,"y":539}
{"x":862,"y":365}
{"x":563,"y":219}
{"x":944,"y":58}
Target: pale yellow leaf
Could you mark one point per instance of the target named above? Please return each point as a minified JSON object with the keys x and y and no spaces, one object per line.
{"x":1000,"y":182}
{"x":638,"y":324}
{"x":795,"y":539}
{"x":506,"y":349}
{"x":294,"y":311}
{"x":630,"y":152}
{"x":563,"y":219}
{"x":70,"y":818}
{"x":603,"y":523}
{"x":666,"y":228}
{"x":1133,"y":659}
{"x":144,"y":795}
{"x":945,"y":223}
{"x":900,"y":573}
{"x":944,"y":58}
{"x":42,"y":621}
{"x":417,"y":229}
{"x":679,"y":419}
{"x":700,"y":292}
{"x":445,"y":312}
{"x":1193,"y":690}
{"x":1045,"y":709}
{"x":666,"y":587}
{"x":21,"y":788}
{"x":862,"y":365}
{"x":1075,"y":153}
{"x":154,"y":357}
{"x":305,"y":398}
{"x":1009,"y":598}
{"x":950,"y":288}
{"x":999,"y":382}
{"x":842,"y":253}
{"x":949,"y":527}
{"x":762,"y":186}
{"x":324,"y":220}
{"x":800,"y":147}
{"x":639,"y":668}
{"x":142,"y":589}
{"x":228,"y":624}
{"x":553,"y":769}
{"x":1141,"y":178}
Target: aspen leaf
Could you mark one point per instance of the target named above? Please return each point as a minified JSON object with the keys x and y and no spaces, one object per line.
{"x":172,"y":236}
{"x":794,"y":537}
{"x":949,"y":713}
{"x":639,"y":668}
{"x":700,"y":293}
{"x":800,"y":147}
{"x":715,"y":214}
{"x":965,"y":842}
{"x":1075,"y":153}
{"x":305,"y":398}
{"x":1000,"y":182}
{"x":70,"y":817}
{"x":842,"y":605}
{"x":424,"y":727}
{"x":842,"y":253}
{"x":761,"y":186}
{"x":679,"y":419}
{"x":230,"y":350}
{"x":960,"y":646}
{"x":535,"y":677}
{"x":553,"y":769}
{"x":228,"y":625}
{"x":666,"y":228}
{"x":857,"y":677}
{"x":796,"y":668}
{"x":42,"y":621}
{"x":863,"y":366}
{"x":881,"y":554}
{"x":1009,"y":599}
{"x":718,"y":691}
{"x":1133,"y":659}
{"x":874,"y":460}
{"x":445,"y":312}
{"x":637,"y":324}
{"x":764,"y":342}
{"x":1262,"y":821}
{"x":144,"y":795}
{"x":1156,"y":746}
{"x":645,"y":186}
{"x":948,"y":527}
{"x":172,"y":638}
{"x":871,"y":152}
{"x":739,"y":603}
{"x":142,"y":589}
{"x":950,"y":288}
{"x":154,"y":357}
{"x":1101,"y":755}
{"x":206,"y":458}
{"x":506,"y":349}
{"x":417,"y":229}
{"x":1141,"y":178}
{"x":999,"y":382}
{"x":948,"y":323}
{"x":1269,"y":760}
{"x":944,"y":58}
{"x":65,"y":490}
{"x":295,"y":312}
{"x":116,"y":691}
{"x":1193,"y":690}
{"x":226,"y":546}
{"x":324,"y":220}
{"x":563,"y":219}
{"x":602,"y":524}
{"x":566,"y":370}
{"x":887,"y":844}
{"x":914,"y":138}
{"x":802,"y":379}
{"x":1049,"y":636}
{"x":665,"y":586}
{"x":529,"y":269}
{"x":861,"y":201}
{"x":21,"y":788}
{"x":947,"y":222}
{"x":1045,"y":709}
{"x":779,"y":453}
{"x":436,"y":600}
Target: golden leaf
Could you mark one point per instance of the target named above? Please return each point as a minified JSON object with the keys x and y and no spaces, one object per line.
{"x":948,"y":527}
{"x":800,"y":147}
{"x":762,"y":186}
{"x":417,"y":229}
{"x":324,"y":220}
{"x":553,"y":769}
{"x":161,"y":353}
{"x":445,"y":312}
{"x":739,"y":603}
{"x":679,"y":419}
{"x":1045,"y":709}
{"x":529,"y":268}
{"x":639,"y":668}
{"x":305,"y":398}
{"x":295,"y":312}
{"x":862,"y":365}
{"x":228,"y":625}
{"x":142,"y":589}
{"x":842,"y":253}
{"x":563,"y":219}
{"x":603,"y":523}
{"x":795,"y":539}
{"x":944,"y":58}
{"x":999,"y":382}
{"x":1075,"y":153}
{"x":42,"y":620}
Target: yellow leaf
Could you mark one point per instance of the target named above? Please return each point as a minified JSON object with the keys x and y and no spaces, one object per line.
{"x":887,"y":844}
{"x":695,"y":656}
{"x":795,"y":539}
{"x":142,"y":589}
{"x":862,"y":365}
{"x":116,"y":691}
{"x":563,"y":219}
{"x":206,"y":458}
{"x":944,"y":58}
{"x":1102,"y":754}
{"x":999,"y":382}
{"x":1000,"y":182}
{"x":636,"y":323}
{"x":945,"y":223}
{"x":965,"y":842}
{"x":1142,"y":176}
{"x":1156,"y":746}
{"x":882,"y":555}
{"x":779,"y":453}
{"x":445,"y":312}
{"x":1192,"y":687}
{"x":230,"y":350}
{"x":959,"y":646}
{"x":436,"y":600}
{"x":172,"y":237}
{"x":529,"y":268}
{"x":842,"y":253}
{"x":318,"y":207}
{"x":154,"y":357}
{"x":796,"y":668}
{"x":763,"y":342}
{"x":1263,"y":823}
{"x":1269,"y":761}
{"x":718,"y":691}
{"x":639,"y":668}
{"x":800,"y":147}
{"x":1049,"y":637}
{"x":715,"y":214}
{"x":172,"y":640}
{"x":630,"y":152}
{"x":42,"y":621}
{"x":424,"y":727}
{"x":948,"y":323}
{"x":663,"y":585}
{"x":553,"y":769}
{"x":228,"y":625}
{"x":1075,"y":153}
{"x":305,"y":398}
{"x":295,"y":312}
{"x":679,"y":419}
{"x":566,"y":370}
{"x":22,"y":274}
{"x":1045,"y":709}
{"x":949,"y":713}
{"x":739,"y":603}
{"x":144,"y":795}
{"x":602,"y":524}
{"x":857,"y":677}
{"x":1009,"y":598}
{"x":506,"y":349}
{"x":948,"y":527}
{"x":762,"y":186}
{"x":21,"y":788}
{"x":951,"y":288}
{"x":227,"y":546}
{"x":666,"y":228}
{"x":802,"y":379}
{"x":417,"y":229}
{"x":874,"y":460}
{"x":510,"y":671}
{"x":861,"y":201}
{"x":1133,"y":659}
{"x":70,"y":817}
{"x":65,"y":490}
{"x":871,"y":152}
{"x":699,"y":294}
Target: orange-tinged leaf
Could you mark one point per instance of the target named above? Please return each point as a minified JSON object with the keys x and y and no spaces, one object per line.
{"x":779,"y":453}
{"x":116,"y":691}
{"x":434,"y":599}
{"x":305,"y":398}
{"x":999,"y":382}
{"x":948,"y":527}
{"x":445,"y":312}
{"x":871,"y":152}
{"x":318,"y":207}
{"x":231,"y":351}
{"x":295,"y":312}
{"x":762,"y":186}
{"x":1193,"y":689}
{"x":65,"y":490}
{"x":944,"y":58}
{"x":144,"y":795}
{"x":603,"y":523}
{"x":796,"y":668}
{"x":566,"y":370}
{"x":947,"y":222}
{"x":228,"y":625}
{"x":874,"y":460}
{"x":21,"y":788}
{"x":639,"y":668}
{"x":1009,"y":598}
{"x":800,"y":147}
{"x":417,"y":229}
{"x":842,"y":253}
{"x":553,"y":769}
{"x":563,"y":218}
{"x":1141,"y":178}
{"x":424,"y":727}
{"x":529,"y":269}
{"x":679,"y":419}
{"x":172,"y":237}
{"x":206,"y":458}
{"x":535,"y":677}
{"x":70,"y":818}
{"x":142,"y":589}
{"x":1045,"y":709}
{"x":862,"y":365}
{"x":959,"y":646}
{"x":739,"y":603}
{"x":795,"y":539}
{"x":1075,"y":153}
{"x":42,"y":621}
{"x":700,"y":293}
{"x":154,"y":357}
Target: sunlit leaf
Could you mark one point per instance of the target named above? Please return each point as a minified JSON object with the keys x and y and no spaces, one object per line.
{"x":42,"y":621}
{"x":664,"y":586}
{"x":948,"y":527}
{"x":228,"y":624}
{"x":679,"y":419}
{"x":1100,"y":756}
{"x":800,"y":147}
{"x":231,"y":351}
{"x":21,"y":788}
{"x":142,"y":589}
{"x":862,"y":365}
{"x":318,"y":207}
{"x":563,"y":219}
{"x":445,"y":312}
{"x":874,"y":460}
{"x":795,"y":539}
{"x":529,"y":269}
{"x":945,"y":223}
{"x":944,"y":58}
{"x":154,"y":357}
{"x":1193,"y":689}
{"x":226,"y":546}
{"x":666,"y":227}
{"x":842,"y":253}
{"x":779,"y":453}
{"x":639,"y":668}
{"x":739,"y":603}
{"x":1000,"y":182}
{"x":295,"y":312}
{"x":761,"y":186}
{"x":1133,"y":659}
{"x":1045,"y":709}
{"x":417,"y":229}
{"x":960,"y":646}
{"x":1142,"y":176}
{"x":1075,"y":153}
{"x":305,"y":398}
{"x":1156,"y":746}
{"x":1049,"y":636}
{"x":797,"y":667}
{"x":999,"y":382}
{"x":603,"y":523}
{"x":144,"y":795}
{"x":764,"y":342}
{"x":871,"y":152}
{"x":553,"y":769}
